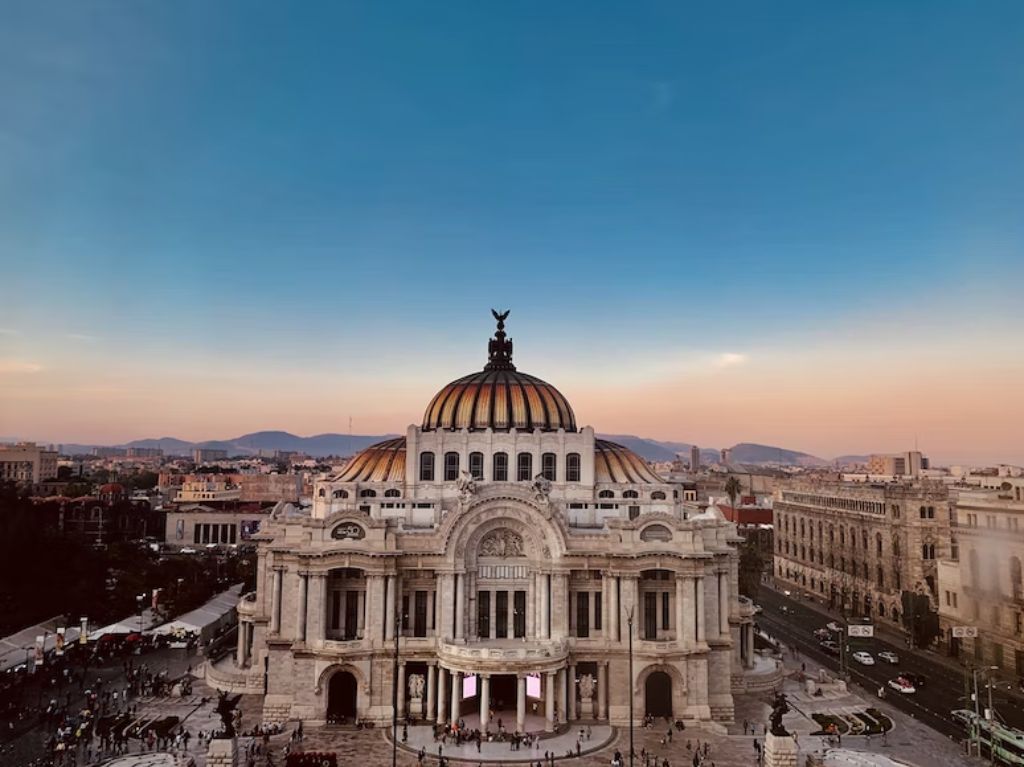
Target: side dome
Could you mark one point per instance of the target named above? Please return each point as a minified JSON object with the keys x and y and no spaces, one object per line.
{"x":500,"y":397}
{"x":381,"y":462}
{"x":616,"y":463}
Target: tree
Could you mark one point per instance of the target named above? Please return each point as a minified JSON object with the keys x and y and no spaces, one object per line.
{"x":732,"y":489}
{"x":751,"y":567}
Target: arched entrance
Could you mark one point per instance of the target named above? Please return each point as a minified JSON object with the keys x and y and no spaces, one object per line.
{"x":658,"y":695}
{"x":341,"y":698}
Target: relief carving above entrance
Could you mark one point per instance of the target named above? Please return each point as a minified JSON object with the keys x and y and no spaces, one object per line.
{"x":502,"y":543}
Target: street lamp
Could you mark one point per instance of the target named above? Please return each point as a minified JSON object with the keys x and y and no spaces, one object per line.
{"x":394,"y":692}
{"x":629,"y":623}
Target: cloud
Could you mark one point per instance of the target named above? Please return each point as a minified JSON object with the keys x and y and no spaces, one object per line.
{"x":19,"y":366}
{"x":83,"y":337}
{"x":729,"y":359}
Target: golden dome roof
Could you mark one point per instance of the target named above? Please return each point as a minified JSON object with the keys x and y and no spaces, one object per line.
{"x":381,"y":462}
{"x":615,"y":463}
{"x":499,"y":397}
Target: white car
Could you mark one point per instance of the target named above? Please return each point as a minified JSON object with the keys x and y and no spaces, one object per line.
{"x":188,"y":550}
{"x":833,"y":626}
{"x":899,"y":684}
{"x":889,"y":657}
{"x":864,"y":658}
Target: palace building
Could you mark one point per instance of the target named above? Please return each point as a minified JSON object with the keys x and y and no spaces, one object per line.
{"x":505,"y":554}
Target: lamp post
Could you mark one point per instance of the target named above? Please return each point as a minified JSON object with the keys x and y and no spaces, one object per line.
{"x":394,"y":692}
{"x":629,"y":623}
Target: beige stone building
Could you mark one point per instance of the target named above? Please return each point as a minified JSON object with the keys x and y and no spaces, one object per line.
{"x":981,"y":582}
{"x":502,"y":549}
{"x":27,"y":463}
{"x":862,"y":545}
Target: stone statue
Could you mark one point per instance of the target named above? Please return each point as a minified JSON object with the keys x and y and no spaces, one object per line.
{"x":416,"y":686}
{"x":466,"y":485}
{"x":501,"y":543}
{"x":779,"y":709}
{"x":587,"y":686}
{"x":226,"y":710}
{"x":541,"y":488}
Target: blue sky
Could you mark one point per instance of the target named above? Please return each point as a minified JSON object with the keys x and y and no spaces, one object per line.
{"x":330,"y":188}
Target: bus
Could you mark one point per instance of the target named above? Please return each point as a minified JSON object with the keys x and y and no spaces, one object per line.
{"x":1007,"y":742}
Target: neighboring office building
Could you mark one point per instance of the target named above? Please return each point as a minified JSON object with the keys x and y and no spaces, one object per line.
{"x":981,"y":583}
{"x":208,"y":490}
{"x":907,"y":464}
{"x":208,"y":455}
{"x":145,"y":452}
{"x":26,"y":463}
{"x":257,"y":488}
{"x":862,"y":545}
{"x":199,"y":525}
{"x":694,"y":458}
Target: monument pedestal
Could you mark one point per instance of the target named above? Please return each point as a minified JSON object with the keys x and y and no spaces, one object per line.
{"x":416,"y":708}
{"x":222,"y":753}
{"x":780,"y":751}
{"x":587,"y":708}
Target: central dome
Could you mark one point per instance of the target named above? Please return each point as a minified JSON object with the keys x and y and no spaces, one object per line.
{"x":499,"y":397}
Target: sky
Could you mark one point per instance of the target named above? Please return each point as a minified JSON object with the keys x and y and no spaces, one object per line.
{"x":795,"y":223}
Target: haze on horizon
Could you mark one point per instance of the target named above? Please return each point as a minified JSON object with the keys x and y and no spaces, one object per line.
{"x":795,"y":226}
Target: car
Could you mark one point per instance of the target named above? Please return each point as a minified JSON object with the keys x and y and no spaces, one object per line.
{"x":188,"y":550}
{"x":915,"y":679}
{"x":899,"y":684}
{"x":832,"y":648}
{"x":758,"y":609}
{"x":785,"y":610}
{"x":834,"y":627}
{"x":822,"y":634}
{"x":964,"y":717}
{"x":864,"y":658}
{"x":889,"y":657}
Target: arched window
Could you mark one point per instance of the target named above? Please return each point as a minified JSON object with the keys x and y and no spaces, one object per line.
{"x":322,"y":493}
{"x":426,"y":467}
{"x":842,"y":536}
{"x":1016,"y":577}
{"x":340,"y":494}
{"x":819,"y":534}
{"x":606,"y":494}
{"x":878,"y":544}
{"x":476,"y":465}
{"x":896,"y":547}
{"x":500,"y":467}
{"x":631,"y":494}
{"x":801,"y":528}
{"x":923,"y":512}
{"x":524,"y":467}
{"x":367,"y":493}
{"x":548,"y":466}
{"x":451,"y":466}
{"x":864,"y":539}
{"x":392,"y":493}
{"x":572,"y":467}
{"x":657,"y":495}
{"x":831,"y":534}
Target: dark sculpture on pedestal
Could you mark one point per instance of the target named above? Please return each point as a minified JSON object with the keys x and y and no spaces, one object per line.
{"x":226,"y":710}
{"x":779,"y":709}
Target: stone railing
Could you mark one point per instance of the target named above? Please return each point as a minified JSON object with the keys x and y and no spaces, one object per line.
{"x":530,"y":654}
{"x":224,"y":675}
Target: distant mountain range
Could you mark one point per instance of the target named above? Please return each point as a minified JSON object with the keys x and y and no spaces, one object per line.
{"x":322,"y":445}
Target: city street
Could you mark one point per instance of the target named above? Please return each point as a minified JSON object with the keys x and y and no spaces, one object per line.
{"x":944,"y":688}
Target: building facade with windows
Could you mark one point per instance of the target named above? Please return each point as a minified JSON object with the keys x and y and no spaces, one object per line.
{"x":862,"y":546}
{"x":26,"y":463}
{"x":981,"y":582}
{"x":505,"y":552}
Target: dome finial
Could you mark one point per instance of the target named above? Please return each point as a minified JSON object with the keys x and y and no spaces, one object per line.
{"x":499,"y":349}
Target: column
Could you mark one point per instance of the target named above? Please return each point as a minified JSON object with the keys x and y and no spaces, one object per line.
{"x":460,"y":605}
{"x":545,"y":612}
{"x":361,"y":613}
{"x":431,"y":692}
{"x":389,"y":609}
{"x":602,"y":690}
{"x":374,"y":603}
{"x":492,"y":632}
{"x":614,"y":619}
{"x":240,"y":654}
{"x":571,"y":711}
{"x":446,"y":606}
{"x":315,"y":599}
{"x":680,"y":614}
{"x":723,"y":604}
{"x":431,"y":620}
{"x":511,"y":619}
{"x":531,"y":612}
{"x":521,"y":704}
{"x":699,"y":588}
{"x":442,"y":695}
{"x":562,"y":701}
{"x":300,"y":623}
{"x":275,"y":602}
{"x":549,"y":702}
{"x":560,"y":600}
{"x":456,"y":695}
{"x":485,"y":701}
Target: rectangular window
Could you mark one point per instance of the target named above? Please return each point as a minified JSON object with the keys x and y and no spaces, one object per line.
{"x":583,"y":614}
{"x":519,"y":606}
{"x":634,"y":512}
{"x":335,"y":610}
{"x":426,"y":467}
{"x":501,"y":614}
{"x":597,"y":611}
{"x":351,"y":613}
{"x":524,"y":463}
{"x":650,"y":615}
{"x":451,"y":467}
{"x":476,"y":465}
{"x":196,"y":532}
{"x":419,"y":620}
{"x":483,"y":614}
{"x":547,"y":466}
{"x":500,"y":467}
{"x":572,"y":467}
{"x":664,"y":610}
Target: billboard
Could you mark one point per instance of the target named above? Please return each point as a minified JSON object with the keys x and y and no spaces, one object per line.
{"x":468,"y":686}
{"x":533,"y":685}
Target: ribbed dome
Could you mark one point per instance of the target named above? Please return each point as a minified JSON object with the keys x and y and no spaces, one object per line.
{"x":499,"y":397}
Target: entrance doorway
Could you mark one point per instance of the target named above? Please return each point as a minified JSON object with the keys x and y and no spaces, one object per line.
{"x":503,"y":693}
{"x":341,"y":698}
{"x":658,"y":695}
